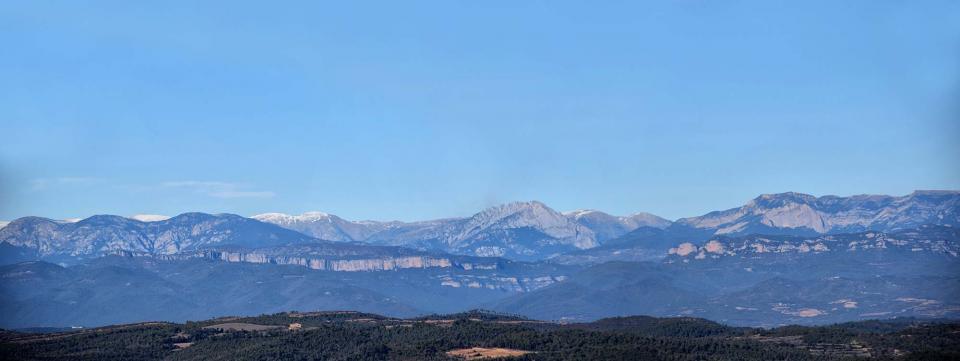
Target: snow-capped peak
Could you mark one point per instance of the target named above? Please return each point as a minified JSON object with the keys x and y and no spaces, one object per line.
{"x":283,"y":218}
{"x":313,"y":215}
{"x":149,"y":217}
{"x":533,"y":211}
{"x":532,"y":214}
{"x":579,"y":213}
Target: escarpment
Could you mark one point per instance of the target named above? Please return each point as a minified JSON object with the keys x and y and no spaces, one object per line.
{"x":328,"y":263}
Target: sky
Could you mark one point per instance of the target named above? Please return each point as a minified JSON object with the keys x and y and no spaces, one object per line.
{"x":414,"y":110}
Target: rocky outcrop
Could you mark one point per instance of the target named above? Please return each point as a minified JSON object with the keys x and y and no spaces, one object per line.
{"x":383,"y":263}
{"x":798,"y":213}
{"x":501,"y":283}
{"x":104,"y":234}
{"x":927,"y":239}
{"x":518,"y":230}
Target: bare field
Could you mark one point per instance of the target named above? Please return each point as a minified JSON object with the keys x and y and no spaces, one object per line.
{"x":480,"y":353}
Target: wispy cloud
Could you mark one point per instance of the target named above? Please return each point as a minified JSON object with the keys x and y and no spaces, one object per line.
{"x":220,"y":189}
{"x":40,"y":184}
{"x":217,"y":189}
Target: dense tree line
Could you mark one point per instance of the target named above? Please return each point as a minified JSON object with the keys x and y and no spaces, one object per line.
{"x":337,"y":336}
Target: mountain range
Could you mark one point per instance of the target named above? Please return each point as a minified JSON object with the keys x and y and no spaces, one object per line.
{"x":797,"y":213}
{"x":531,"y":230}
{"x":104,"y":234}
{"x":768,"y":280}
{"x":519,"y":230}
{"x":781,"y":258}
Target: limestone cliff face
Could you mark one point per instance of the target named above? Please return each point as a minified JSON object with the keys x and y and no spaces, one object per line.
{"x":804,"y":214}
{"x":502,"y":283}
{"x":939,"y":241}
{"x":383,"y":263}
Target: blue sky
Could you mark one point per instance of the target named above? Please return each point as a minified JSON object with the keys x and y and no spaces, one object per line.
{"x":417,"y":110}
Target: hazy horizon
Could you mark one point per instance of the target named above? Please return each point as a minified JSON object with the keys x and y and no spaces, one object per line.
{"x":799,"y":160}
{"x":429,"y":110}
{"x":485,"y":207}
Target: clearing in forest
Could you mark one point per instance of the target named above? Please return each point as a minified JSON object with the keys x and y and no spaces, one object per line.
{"x":480,"y":353}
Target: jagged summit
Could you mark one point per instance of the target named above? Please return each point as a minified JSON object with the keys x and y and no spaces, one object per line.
{"x":774,"y":199}
{"x":522,"y":230}
{"x":527,"y":229}
{"x":522,"y":214}
{"x":103,"y":234}
{"x":324,"y":225}
{"x":804,"y":213}
{"x":516,"y":218}
{"x":607,"y":227}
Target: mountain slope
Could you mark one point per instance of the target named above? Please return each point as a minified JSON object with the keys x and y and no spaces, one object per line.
{"x":116,"y":289}
{"x":607,"y":227}
{"x":104,"y":234}
{"x":933,"y":240}
{"x":326,"y":226}
{"x":641,"y":244}
{"x":149,"y":217}
{"x":609,"y":289}
{"x":519,"y":230}
{"x":768,"y":280}
{"x":545,"y":227}
{"x":110,"y":292}
{"x":803,"y":214}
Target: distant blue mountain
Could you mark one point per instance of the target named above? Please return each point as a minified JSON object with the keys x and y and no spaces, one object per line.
{"x":784,"y":258}
{"x":768,"y":280}
{"x":43,"y":238}
{"x":518,"y":230}
{"x":803,"y":214}
{"x":788,"y":214}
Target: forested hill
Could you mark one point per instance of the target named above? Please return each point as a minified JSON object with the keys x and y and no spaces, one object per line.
{"x":472,"y":335}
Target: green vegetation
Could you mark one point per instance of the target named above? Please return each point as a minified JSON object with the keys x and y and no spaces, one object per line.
{"x":358,"y":336}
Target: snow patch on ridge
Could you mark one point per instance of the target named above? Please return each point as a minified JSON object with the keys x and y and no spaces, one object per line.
{"x":149,"y":217}
{"x":283,"y":218}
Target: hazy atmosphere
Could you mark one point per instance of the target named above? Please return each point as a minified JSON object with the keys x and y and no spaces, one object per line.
{"x":424,"y":110}
{"x":480,"y":180}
